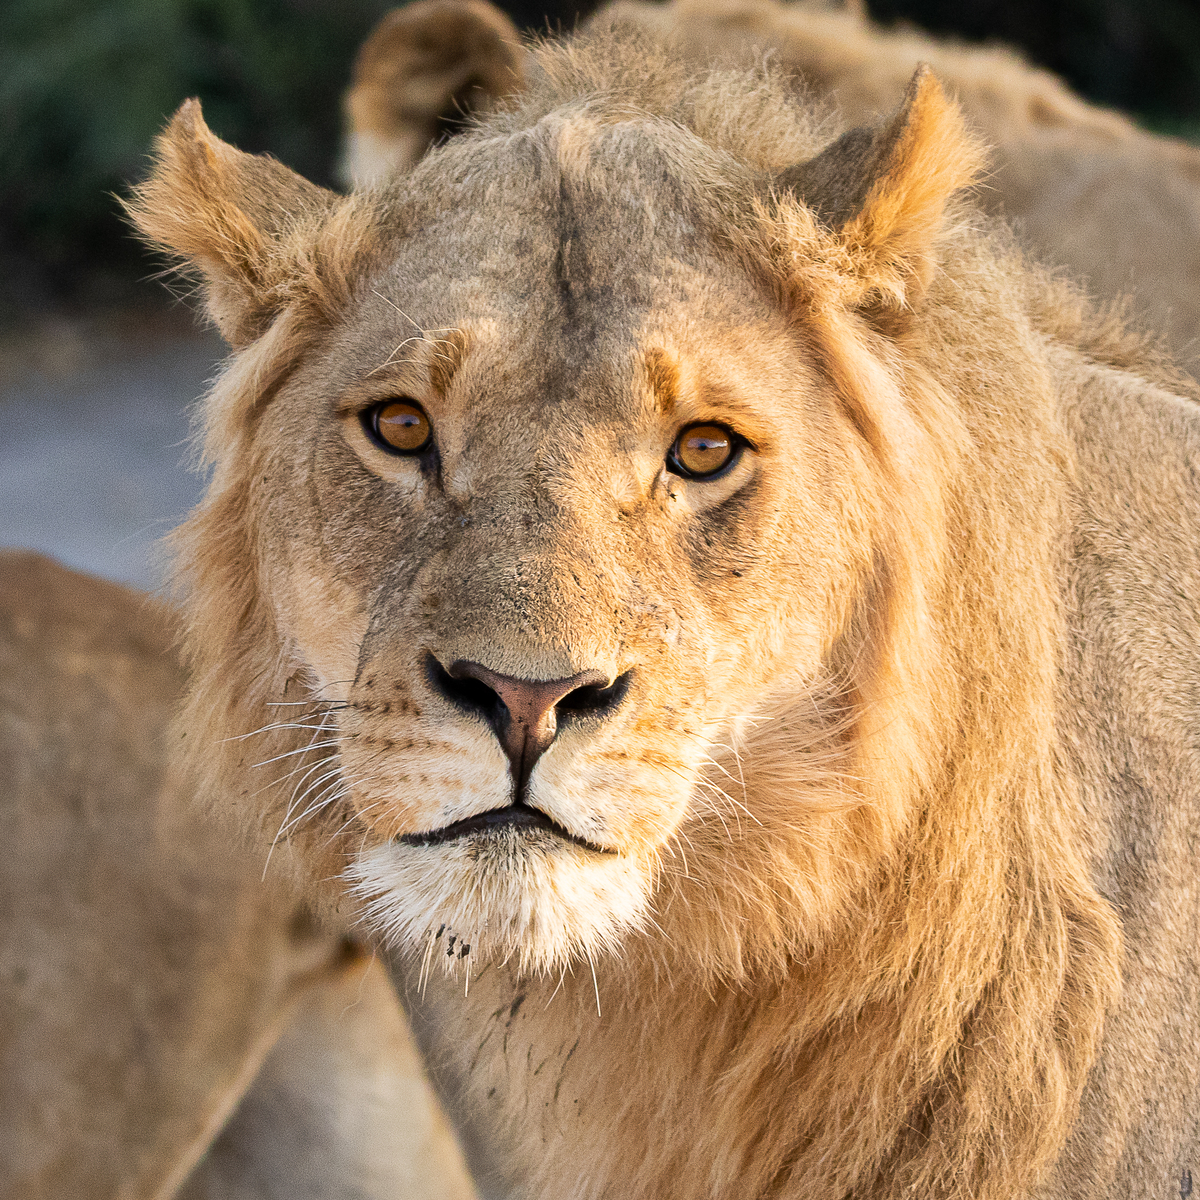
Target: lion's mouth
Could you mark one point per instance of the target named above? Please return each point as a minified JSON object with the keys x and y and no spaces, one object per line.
{"x":520,"y":818}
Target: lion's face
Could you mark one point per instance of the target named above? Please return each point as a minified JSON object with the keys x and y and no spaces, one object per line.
{"x":545,"y":475}
{"x":532,"y":609}
{"x":548,"y":531}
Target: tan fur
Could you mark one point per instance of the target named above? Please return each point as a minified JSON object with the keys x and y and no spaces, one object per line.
{"x":1087,"y":188}
{"x":146,"y":971}
{"x":912,"y":688}
{"x":341,"y":1110}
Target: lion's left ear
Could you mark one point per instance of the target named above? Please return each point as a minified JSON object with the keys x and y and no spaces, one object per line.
{"x":882,"y":190}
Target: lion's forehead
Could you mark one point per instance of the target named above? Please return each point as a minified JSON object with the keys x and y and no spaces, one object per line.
{"x":583,"y":273}
{"x":571,"y":206}
{"x":544,"y":327}
{"x":551,"y":263}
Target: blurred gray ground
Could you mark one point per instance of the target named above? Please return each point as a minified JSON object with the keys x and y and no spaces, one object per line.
{"x":94,"y":422}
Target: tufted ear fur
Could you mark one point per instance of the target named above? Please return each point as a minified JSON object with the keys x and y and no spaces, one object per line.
{"x":232,"y":217}
{"x":882,"y":191}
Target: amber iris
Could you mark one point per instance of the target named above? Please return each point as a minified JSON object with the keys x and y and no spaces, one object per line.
{"x":400,"y":426}
{"x":701,"y":451}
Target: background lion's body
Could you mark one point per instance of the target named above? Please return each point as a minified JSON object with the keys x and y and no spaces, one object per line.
{"x":1130,"y":729}
{"x":147,"y":972}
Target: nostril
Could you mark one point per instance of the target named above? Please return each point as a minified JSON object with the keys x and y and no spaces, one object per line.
{"x":462,"y":691}
{"x":524,"y":714}
{"x":595,"y":697}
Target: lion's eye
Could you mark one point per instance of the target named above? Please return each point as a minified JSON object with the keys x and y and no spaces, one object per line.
{"x":702,"y":451}
{"x":399,"y":426}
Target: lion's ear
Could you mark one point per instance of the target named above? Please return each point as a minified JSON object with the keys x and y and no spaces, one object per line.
{"x":883,"y":189}
{"x":228,"y":216}
{"x":423,"y":70}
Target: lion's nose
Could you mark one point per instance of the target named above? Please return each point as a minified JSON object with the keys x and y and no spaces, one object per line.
{"x":523,"y":713}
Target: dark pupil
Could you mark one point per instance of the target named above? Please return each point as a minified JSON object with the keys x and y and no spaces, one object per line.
{"x":408,"y":420}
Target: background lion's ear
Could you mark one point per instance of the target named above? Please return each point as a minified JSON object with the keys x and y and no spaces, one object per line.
{"x":883,"y":189}
{"x":424,"y":69}
{"x":228,"y":216}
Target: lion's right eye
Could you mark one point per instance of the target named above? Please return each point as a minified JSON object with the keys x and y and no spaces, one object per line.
{"x":398,"y":426}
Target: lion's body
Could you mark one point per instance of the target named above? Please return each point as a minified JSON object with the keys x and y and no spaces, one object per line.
{"x":1088,"y":190}
{"x":887,"y":734}
{"x":146,"y":972}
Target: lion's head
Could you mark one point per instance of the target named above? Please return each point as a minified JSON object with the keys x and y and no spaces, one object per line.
{"x":575,"y":509}
{"x":648,"y":523}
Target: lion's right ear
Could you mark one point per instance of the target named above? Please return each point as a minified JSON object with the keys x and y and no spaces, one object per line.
{"x":231,"y":217}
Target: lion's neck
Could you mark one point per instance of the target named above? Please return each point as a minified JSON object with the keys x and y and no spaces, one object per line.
{"x":854,"y":1073}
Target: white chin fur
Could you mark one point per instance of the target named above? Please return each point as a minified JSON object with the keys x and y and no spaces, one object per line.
{"x":546,"y":904}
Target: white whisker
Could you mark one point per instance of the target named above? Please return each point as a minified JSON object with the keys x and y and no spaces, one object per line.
{"x":393,"y":304}
{"x":266,"y":762}
{"x":561,"y":979}
{"x":323,"y":781}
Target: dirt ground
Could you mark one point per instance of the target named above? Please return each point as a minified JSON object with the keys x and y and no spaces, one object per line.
{"x":94,"y":423}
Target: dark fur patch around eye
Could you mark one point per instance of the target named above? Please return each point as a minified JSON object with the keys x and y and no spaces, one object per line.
{"x":723,"y":538}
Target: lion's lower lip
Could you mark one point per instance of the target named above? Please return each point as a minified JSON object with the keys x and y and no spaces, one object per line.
{"x":516,"y":818}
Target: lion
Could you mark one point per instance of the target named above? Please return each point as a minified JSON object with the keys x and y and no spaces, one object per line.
{"x":1088,"y":189}
{"x":754,"y":613}
{"x":171,"y":1025}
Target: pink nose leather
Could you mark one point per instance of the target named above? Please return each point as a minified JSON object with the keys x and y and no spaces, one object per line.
{"x":531,"y":708}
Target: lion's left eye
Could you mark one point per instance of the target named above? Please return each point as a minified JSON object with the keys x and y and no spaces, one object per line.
{"x":703,"y":451}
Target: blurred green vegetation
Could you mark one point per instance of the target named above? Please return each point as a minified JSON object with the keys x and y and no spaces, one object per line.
{"x":85,"y":84}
